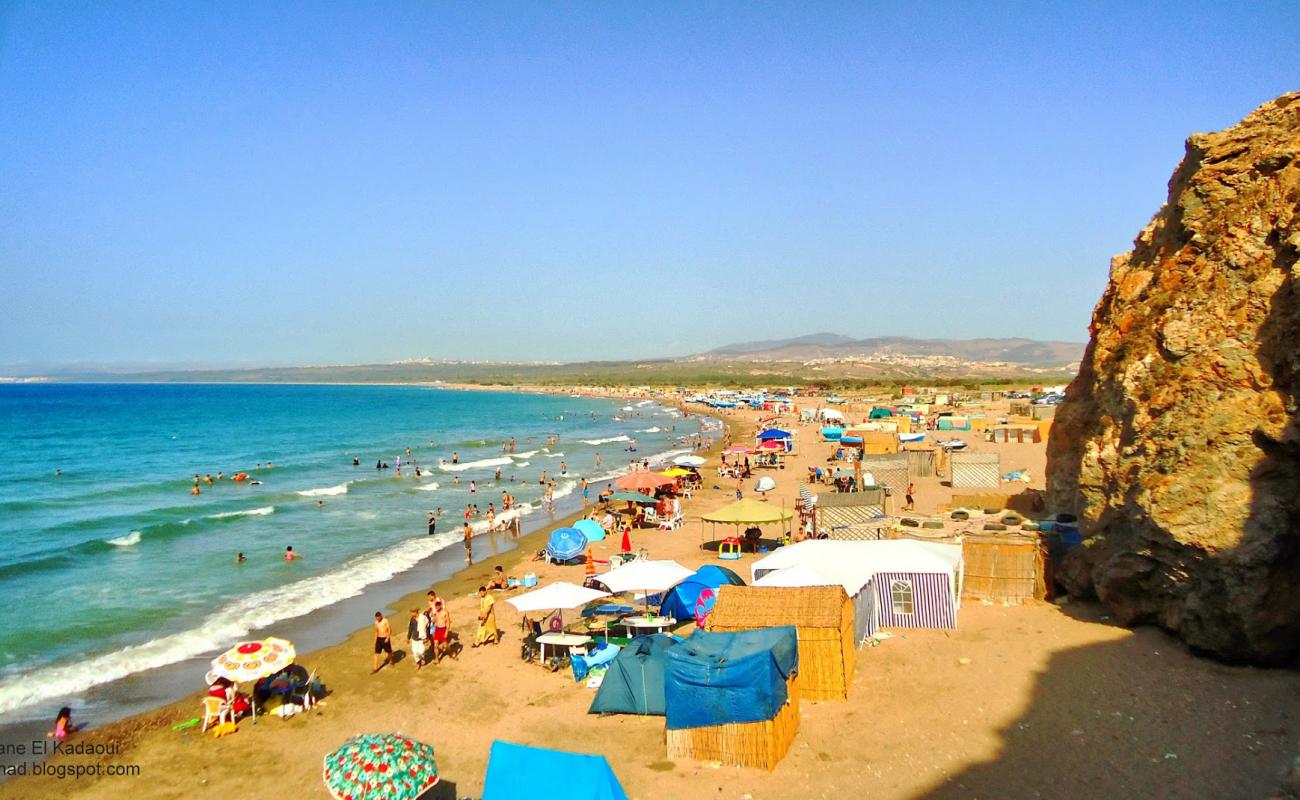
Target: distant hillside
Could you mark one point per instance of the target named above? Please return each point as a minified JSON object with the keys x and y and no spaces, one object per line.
{"x":1021,"y":352}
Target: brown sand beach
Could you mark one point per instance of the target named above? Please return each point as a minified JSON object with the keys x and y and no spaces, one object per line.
{"x":1037,"y":700}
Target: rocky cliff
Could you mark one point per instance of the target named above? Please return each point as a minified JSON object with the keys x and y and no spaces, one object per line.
{"x":1179,"y":444}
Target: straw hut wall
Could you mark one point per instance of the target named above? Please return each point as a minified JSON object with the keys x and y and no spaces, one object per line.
{"x":743,"y":744}
{"x":1005,"y":569}
{"x":823,"y":620}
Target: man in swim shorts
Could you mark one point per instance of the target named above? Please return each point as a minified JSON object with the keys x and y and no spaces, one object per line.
{"x":383,"y":641}
{"x":441,"y":631}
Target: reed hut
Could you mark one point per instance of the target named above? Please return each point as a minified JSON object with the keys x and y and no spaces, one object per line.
{"x":1009,"y":568}
{"x":822,"y":616}
{"x":733,"y":697}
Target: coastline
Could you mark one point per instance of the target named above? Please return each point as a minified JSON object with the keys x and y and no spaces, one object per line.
{"x":126,"y":708}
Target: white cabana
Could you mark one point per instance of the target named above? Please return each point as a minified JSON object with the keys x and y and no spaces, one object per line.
{"x":558,"y":595}
{"x":830,"y":413}
{"x":893,"y":583}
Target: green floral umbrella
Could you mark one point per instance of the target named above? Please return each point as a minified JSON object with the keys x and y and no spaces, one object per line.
{"x":380,"y":766}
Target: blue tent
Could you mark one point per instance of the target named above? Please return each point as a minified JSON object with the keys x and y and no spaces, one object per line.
{"x":773,"y":433}
{"x":880,"y":413}
{"x":717,"y":678}
{"x":679,"y":602}
{"x":566,"y":544}
{"x":517,"y":771}
{"x":832,"y":434}
{"x":591,"y":529}
{"x":634,"y":683}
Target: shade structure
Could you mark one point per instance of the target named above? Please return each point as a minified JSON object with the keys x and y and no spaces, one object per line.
{"x":633,"y":497}
{"x":560,"y":594}
{"x":254,"y":660}
{"x":772,"y":444}
{"x":765,"y":484}
{"x":737,"y":449}
{"x":689,"y":461}
{"x":773,"y":433}
{"x":646,"y":575}
{"x":384,"y":766}
{"x":748,"y":512}
{"x":590,"y":529}
{"x":675,"y":472}
{"x":566,"y":543}
{"x":643,"y":481}
{"x":516,"y":771}
{"x":831,"y":413}
{"x":683,"y":600}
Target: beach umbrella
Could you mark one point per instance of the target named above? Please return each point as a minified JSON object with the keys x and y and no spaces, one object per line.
{"x":765,"y":484}
{"x":254,"y":660}
{"x":633,"y":497}
{"x":566,"y":543}
{"x":558,"y":595}
{"x":590,"y":528}
{"x":675,"y":472}
{"x":646,"y":575}
{"x":380,"y":766}
{"x":627,"y":541}
{"x":689,"y":461}
{"x":738,"y":449}
{"x":643,"y":481}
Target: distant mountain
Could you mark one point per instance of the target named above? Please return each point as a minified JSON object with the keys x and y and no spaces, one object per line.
{"x":1022,"y":352}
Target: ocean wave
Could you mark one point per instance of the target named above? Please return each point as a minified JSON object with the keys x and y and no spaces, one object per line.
{"x":224,"y":627}
{"x":429,"y":487}
{"x":125,"y":541}
{"x":525,"y":454}
{"x":328,"y":491}
{"x":553,"y":455}
{"x":483,"y":462}
{"x":252,"y":512}
{"x":655,"y":429}
{"x":620,"y":438}
{"x":645,"y":403}
{"x":522,"y":463}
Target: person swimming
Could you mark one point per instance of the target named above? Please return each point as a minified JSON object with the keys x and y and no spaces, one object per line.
{"x":289,"y":555}
{"x":239,"y":558}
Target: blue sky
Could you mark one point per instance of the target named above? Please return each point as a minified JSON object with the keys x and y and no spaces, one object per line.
{"x":269,"y":183}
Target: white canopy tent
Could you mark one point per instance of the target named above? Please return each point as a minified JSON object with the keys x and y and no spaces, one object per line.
{"x":646,"y":576}
{"x":855,"y":564}
{"x":830,"y":413}
{"x":558,"y":595}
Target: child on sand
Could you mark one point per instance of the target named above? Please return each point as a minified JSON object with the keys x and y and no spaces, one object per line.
{"x":62,"y":725}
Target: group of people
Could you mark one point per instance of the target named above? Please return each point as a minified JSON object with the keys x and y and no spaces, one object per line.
{"x":208,"y":480}
{"x":428,"y":632}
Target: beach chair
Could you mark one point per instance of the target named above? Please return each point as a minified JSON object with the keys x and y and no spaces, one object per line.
{"x":651,"y":516}
{"x":301,"y":693}
{"x":216,"y":710}
{"x":671,"y":524}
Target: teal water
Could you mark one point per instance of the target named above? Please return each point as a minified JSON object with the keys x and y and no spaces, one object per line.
{"x":115,"y":567}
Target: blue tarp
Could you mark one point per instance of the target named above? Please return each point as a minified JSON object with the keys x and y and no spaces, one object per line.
{"x":716,"y":678}
{"x":599,"y":653}
{"x":565,"y":544}
{"x":832,"y":434}
{"x":773,"y":433}
{"x":680,"y":601}
{"x":634,"y":683}
{"x":516,"y":771}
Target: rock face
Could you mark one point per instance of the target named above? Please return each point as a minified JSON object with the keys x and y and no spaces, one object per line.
{"x":1178,"y":445}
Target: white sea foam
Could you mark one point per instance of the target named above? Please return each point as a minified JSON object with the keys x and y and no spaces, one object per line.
{"x":621,"y":438}
{"x":483,"y":462}
{"x":429,"y":487}
{"x":553,"y":455}
{"x":627,"y":408}
{"x":252,"y":512}
{"x":655,"y":429}
{"x":328,"y":491}
{"x":125,"y":541}
{"x":564,"y":489}
{"x":525,"y":454}
{"x":645,"y":403}
{"x":522,"y":463}
{"x":228,"y":624}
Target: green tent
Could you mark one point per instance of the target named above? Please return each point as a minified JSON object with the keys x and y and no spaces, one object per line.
{"x":634,"y":683}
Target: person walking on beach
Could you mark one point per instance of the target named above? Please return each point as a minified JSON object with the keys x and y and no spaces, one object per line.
{"x":441,"y":631}
{"x":468,"y":532}
{"x":910,"y":503}
{"x":416,"y":632}
{"x":487,"y":618}
{"x":383,"y":642}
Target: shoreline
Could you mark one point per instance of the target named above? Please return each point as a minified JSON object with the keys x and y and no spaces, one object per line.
{"x":143,"y":700}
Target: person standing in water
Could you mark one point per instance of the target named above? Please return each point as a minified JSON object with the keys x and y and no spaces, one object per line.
{"x":455,"y":457}
{"x":433,"y":522}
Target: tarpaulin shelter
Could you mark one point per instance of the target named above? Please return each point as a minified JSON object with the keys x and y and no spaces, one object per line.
{"x":773,"y":433}
{"x":733,"y":697}
{"x":746,"y":512}
{"x":634,"y":683}
{"x":681,"y":601}
{"x":515,"y":770}
{"x":880,"y":413}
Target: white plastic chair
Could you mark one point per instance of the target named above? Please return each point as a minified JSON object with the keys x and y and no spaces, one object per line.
{"x":214,"y":708}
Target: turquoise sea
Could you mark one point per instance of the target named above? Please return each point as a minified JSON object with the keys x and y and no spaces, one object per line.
{"x":113,"y":567}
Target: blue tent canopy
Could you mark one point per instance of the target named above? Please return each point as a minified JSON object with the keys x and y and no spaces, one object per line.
{"x":832,"y":434}
{"x":773,"y":433}
{"x":716,"y":678}
{"x":634,"y":683}
{"x":565,"y":544}
{"x":515,"y":770}
{"x":880,"y":413}
{"x":679,"y":602}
